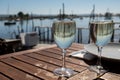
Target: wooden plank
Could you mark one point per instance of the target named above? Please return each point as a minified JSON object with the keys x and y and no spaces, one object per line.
{"x":56,"y":61}
{"x":58,"y":50}
{"x":69,"y":50}
{"x":85,"y":75}
{"x":73,"y":47}
{"x":2,"y":77}
{"x":54,"y":50}
{"x":35,"y":62}
{"x":26,"y":51}
{"x":111,"y":76}
{"x":33,"y":70}
{"x":76,"y":47}
{"x":14,"y":73}
{"x":56,"y":54}
{"x":38,"y":63}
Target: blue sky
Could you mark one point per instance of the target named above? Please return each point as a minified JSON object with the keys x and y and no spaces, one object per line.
{"x":53,"y":6}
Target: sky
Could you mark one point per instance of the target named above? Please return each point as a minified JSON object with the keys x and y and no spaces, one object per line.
{"x":53,"y":6}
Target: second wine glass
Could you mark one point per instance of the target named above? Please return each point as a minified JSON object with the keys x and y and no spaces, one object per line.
{"x":64,"y":35}
{"x":101,"y":33}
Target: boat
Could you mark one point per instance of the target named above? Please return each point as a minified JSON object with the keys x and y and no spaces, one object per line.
{"x":10,"y":23}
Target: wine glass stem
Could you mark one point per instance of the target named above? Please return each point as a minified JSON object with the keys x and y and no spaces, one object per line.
{"x":99,"y":56}
{"x":63,"y":58}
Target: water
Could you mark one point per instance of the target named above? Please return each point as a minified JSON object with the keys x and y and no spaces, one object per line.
{"x":9,"y":32}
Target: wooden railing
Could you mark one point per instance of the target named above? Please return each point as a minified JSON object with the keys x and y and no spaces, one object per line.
{"x":45,"y":34}
{"x":82,"y":35}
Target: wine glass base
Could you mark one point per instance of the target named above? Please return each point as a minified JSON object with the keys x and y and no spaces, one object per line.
{"x":64,"y":72}
{"x":98,"y":69}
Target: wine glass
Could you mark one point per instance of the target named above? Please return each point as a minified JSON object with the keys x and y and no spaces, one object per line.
{"x":100,"y":33}
{"x":64,"y":35}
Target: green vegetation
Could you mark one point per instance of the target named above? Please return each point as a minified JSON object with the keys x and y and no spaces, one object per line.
{"x":19,"y":16}
{"x":22,"y":16}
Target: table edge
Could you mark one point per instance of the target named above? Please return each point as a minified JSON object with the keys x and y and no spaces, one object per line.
{"x":26,"y":51}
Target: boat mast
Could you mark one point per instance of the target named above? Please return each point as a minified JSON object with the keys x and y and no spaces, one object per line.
{"x":63,"y":15}
{"x":92,"y":15}
{"x":8,"y":10}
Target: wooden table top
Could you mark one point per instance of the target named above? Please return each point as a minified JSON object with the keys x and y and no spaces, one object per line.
{"x":38,"y":64}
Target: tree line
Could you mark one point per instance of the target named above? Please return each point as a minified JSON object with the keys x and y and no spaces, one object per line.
{"x":22,"y":16}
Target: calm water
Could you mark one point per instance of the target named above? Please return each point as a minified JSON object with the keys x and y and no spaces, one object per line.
{"x":8,"y":32}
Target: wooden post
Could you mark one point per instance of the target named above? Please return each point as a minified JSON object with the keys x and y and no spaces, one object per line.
{"x":39,"y":33}
{"x":52,"y":38}
{"x":44,"y":35}
{"x":89,"y":36}
{"x":79,"y":35}
{"x":47,"y":39}
{"x":112,"y":38}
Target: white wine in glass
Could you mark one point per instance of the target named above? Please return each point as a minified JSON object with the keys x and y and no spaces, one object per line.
{"x":100,"y":33}
{"x":64,"y":35}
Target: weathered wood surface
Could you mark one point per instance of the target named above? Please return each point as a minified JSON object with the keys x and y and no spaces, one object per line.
{"x":38,"y":64}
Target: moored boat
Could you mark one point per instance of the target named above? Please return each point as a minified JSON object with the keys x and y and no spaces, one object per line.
{"x":10,"y":23}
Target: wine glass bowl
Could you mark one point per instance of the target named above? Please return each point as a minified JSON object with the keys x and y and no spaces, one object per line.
{"x":64,"y":35}
{"x":100,"y":33}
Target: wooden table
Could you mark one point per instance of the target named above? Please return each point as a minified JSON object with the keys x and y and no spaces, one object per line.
{"x":38,"y":64}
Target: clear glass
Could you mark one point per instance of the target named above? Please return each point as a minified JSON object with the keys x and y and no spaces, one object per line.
{"x":100,"y":33}
{"x":64,"y":35}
